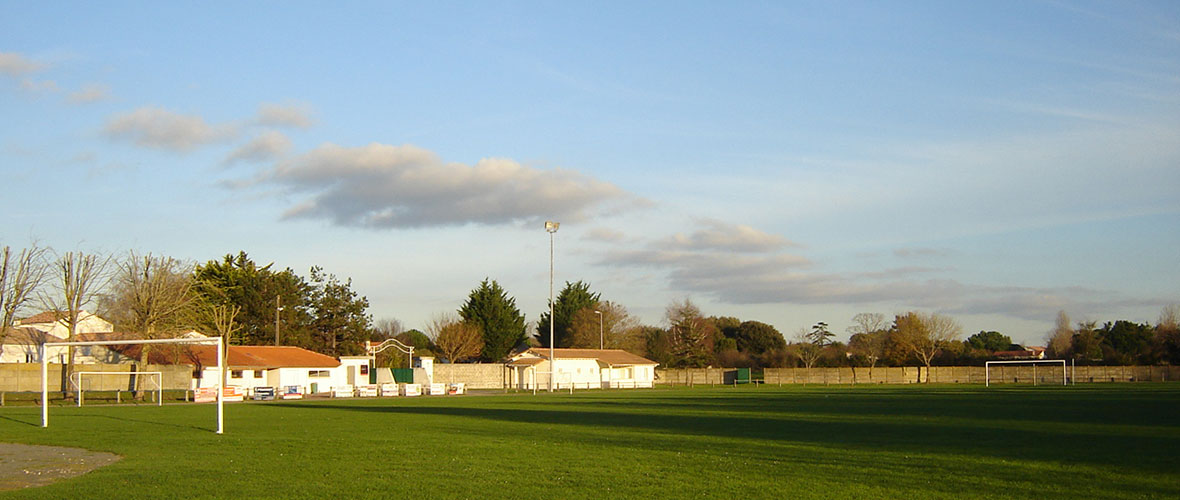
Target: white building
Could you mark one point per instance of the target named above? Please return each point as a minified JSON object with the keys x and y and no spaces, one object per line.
{"x":581,"y":369}
{"x":23,"y":345}
{"x":22,"y":342}
{"x":55,"y":323}
{"x":271,"y":366}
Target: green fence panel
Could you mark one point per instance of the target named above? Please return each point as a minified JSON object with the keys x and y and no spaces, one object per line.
{"x":403,"y":375}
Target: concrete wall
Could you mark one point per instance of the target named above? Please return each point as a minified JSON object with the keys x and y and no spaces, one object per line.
{"x":1000,"y":374}
{"x":18,"y":377}
{"x":475,"y":375}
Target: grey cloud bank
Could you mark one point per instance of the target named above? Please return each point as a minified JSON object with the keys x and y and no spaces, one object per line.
{"x":381,"y":186}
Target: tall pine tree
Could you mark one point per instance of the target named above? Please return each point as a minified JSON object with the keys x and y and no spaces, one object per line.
{"x":573,"y":298}
{"x":490,"y":307}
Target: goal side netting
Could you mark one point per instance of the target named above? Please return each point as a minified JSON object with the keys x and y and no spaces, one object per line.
{"x":1011,"y":369}
{"x":79,"y":379}
{"x":199,"y":341}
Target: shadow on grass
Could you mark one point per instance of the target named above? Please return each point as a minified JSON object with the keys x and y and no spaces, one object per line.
{"x":36,"y":423}
{"x":870,"y":425}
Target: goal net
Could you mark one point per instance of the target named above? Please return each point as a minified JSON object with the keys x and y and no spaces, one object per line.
{"x":200,"y":341}
{"x":1005,"y":370}
{"x":79,"y":381}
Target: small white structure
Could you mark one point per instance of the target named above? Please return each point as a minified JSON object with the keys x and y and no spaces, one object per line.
{"x":22,"y":344}
{"x":55,"y":323}
{"x":271,"y":366}
{"x":581,"y":369}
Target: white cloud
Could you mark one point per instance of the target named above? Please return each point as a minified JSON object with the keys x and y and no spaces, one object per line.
{"x":278,"y":115}
{"x":604,"y":235}
{"x":267,"y":146}
{"x":16,"y":65}
{"x":384,"y":186}
{"x":719,"y":235}
{"x":90,"y":93}
{"x":162,"y":129}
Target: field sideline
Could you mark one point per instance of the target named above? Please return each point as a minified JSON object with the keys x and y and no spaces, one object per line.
{"x":950,"y":441}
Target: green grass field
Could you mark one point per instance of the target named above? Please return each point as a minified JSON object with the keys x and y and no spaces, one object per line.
{"x":1092,"y":441}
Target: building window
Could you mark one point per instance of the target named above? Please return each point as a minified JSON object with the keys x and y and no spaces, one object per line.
{"x":235,"y":374}
{"x":364,"y":369}
{"x":317,"y":373}
{"x":258,"y":374}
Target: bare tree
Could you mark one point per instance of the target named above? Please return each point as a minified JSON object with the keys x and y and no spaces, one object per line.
{"x":805,"y":348}
{"x":870,"y":345}
{"x":1060,"y":337}
{"x":78,"y":278}
{"x":20,"y":276}
{"x":617,"y":327}
{"x":387,"y":328}
{"x":690,"y":334}
{"x":220,"y":317}
{"x":151,"y":295}
{"x":455,"y":339}
{"x":1169,"y":317}
{"x":925,"y":335}
{"x":867,"y":323}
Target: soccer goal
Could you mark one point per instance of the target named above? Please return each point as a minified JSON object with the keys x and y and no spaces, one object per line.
{"x":1034,"y":362}
{"x":201,"y":340}
{"x":79,"y":380}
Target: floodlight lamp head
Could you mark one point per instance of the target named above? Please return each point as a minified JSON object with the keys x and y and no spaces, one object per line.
{"x":551,"y":226}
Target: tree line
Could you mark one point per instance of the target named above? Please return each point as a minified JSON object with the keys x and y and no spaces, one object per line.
{"x":234,"y":297}
{"x":151,"y":296}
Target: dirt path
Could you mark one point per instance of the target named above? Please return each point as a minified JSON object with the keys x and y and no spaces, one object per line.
{"x":25,"y":466}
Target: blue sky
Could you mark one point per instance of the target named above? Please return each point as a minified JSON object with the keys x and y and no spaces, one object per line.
{"x":789,"y":162}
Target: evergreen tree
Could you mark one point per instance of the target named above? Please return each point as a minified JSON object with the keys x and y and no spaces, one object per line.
{"x":490,"y":307}
{"x":341,"y":322}
{"x":573,"y":298}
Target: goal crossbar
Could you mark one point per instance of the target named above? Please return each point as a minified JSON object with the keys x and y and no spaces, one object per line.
{"x":988,"y":364}
{"x":77,"y":380}
{"x":202,"y":340}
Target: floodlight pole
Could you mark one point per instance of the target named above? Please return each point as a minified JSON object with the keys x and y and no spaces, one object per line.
{"x":551,"y":227}
{"x":600,"y":342}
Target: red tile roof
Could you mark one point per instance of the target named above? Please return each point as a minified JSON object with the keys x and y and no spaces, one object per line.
{"x":240,"y":356}
{"x":265,"y":357}
{"x":43,"y":317}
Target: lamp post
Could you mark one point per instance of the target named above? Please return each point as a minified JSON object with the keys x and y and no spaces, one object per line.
{"x":600,"y":343}
{"x":551,"y":227}
{"x":278,"y":309}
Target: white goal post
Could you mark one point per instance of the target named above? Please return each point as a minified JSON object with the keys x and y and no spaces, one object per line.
{"x":200,"y":340}
{"x":77,"y":380}
{"x":987,"y":367}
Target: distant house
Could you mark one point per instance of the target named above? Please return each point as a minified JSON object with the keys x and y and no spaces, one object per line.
{"x":23,"y":345}
{"x":55,"y":323}
{"x":581,"y":368}
{"x":268,"y":366}
{"x":1030,"y":352}
{"x":24,"y":339}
